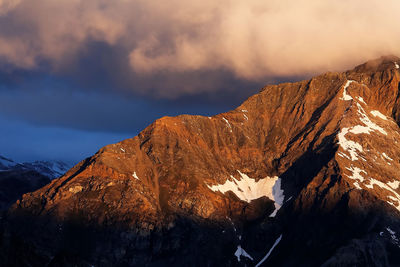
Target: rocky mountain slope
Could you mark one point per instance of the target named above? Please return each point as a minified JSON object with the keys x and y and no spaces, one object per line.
{"x":300,"y":174}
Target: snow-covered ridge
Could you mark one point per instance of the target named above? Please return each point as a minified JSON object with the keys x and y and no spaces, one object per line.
{"x":51,"y":169}
{"x":351,"y":150}
{"x":346,"y":97}
{"x":366,"y":127}
{"x":248,"y":189}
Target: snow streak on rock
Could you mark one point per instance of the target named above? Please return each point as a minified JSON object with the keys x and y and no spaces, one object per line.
{"x":386,"y":156}
{"x":269,"y":252}
{"x":278,"y":196}
{"x":376,"y":113}
{"x":227,"y":122}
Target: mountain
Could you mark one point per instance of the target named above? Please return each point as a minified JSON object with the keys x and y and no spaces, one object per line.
{"x":15,"y":183}
{"x":17,"y":179}
{"x":6,"y":163}
{"x":300,"y":174}
{"x":51,"y":169}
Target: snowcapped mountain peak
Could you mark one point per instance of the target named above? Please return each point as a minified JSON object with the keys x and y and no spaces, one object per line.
{"x":52,"y":169}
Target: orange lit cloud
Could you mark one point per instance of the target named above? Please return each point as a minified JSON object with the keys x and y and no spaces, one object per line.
{"x":252,"y":39}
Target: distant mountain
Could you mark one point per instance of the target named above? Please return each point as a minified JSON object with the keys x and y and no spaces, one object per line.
{"x":15,"y":183}
{"x":300,"y":174}
{"x":51,"y":169}
{"x":6,"y":164}
{"x":17,"y":179}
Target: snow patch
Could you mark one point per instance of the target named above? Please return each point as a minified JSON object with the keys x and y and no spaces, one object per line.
{"x":278,"y":195}
{"x":396,"y":65}
{"x":356,"y":173}
{"x":395,"y":198}
{"x":269,"y":252}
{"x":393,"y":235}
{"x":244,"y":110}
{"x":394,"y":184}
{"x":390,"y":231}
{"x":351,"y":146}
{"x":247,"y":189}
{"x":227,"y":122}
{"x":123,"y":150}
{"x":346,"y":96}
{"x":357,"y":185}
{"x":348,"y":145}
{"x":244,"y":115}
{"x":387,"y":157}
{"x":340,"y":154}
{"x":135,"y":176}
{"x":241,"y":252}
{"x":233,"y":225}
{"x":376,"y":113}
{"x":370,"y":126}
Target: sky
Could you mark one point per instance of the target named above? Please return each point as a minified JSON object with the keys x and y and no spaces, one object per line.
{"x":76,"y":75}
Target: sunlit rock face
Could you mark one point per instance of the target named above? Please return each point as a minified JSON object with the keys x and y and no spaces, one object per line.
{"x":302,"y":173}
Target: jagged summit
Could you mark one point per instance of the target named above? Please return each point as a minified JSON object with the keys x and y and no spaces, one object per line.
{"x":301,"y":173}
{"x":378,"y":65}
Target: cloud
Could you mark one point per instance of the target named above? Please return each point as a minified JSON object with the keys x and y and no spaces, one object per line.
{"x":248,"y":40}
{"x":7,"y":5}
{"x":45,"y":101}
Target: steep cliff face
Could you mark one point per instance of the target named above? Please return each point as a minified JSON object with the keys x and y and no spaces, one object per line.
{"x":302,"y":173}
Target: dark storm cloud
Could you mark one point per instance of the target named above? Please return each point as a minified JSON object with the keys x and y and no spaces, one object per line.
{"x":50,"y":101}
